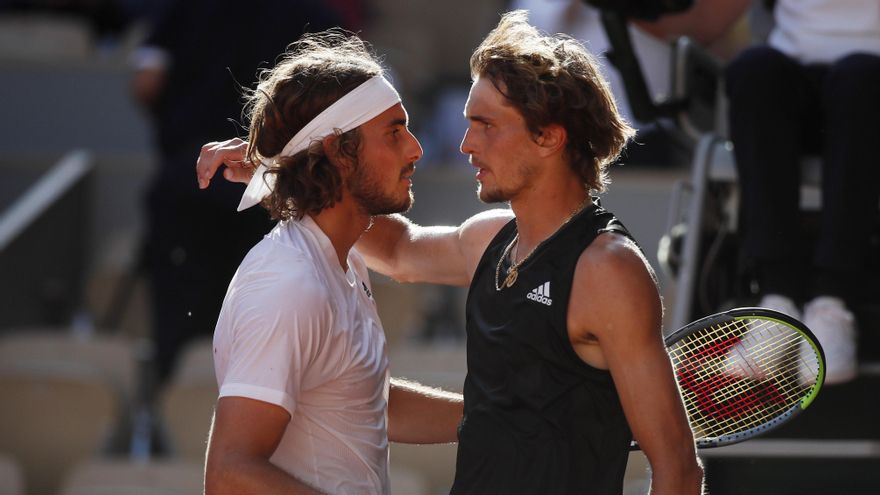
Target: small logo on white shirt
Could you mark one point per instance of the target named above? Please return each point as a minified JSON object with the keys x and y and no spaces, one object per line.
{"x":541,"y":294}
{"x":367,"y":290}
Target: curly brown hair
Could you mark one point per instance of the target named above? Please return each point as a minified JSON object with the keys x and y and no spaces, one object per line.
{"x":554,"y":80}
{"x":311,"y":75}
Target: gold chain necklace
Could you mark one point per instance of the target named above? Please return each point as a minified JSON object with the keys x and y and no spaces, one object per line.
{"x":513,"y":272}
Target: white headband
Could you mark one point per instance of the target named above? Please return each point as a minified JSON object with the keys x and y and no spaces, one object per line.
{"x":359,"y":106}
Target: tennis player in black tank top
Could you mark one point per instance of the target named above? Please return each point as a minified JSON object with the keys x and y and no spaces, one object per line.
{"x":536,"y":416}
{"x":566,"y":362}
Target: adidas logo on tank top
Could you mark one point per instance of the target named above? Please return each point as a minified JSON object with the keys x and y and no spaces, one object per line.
{"x":541,"y":294}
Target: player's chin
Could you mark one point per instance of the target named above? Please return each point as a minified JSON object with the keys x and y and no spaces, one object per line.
{"x":407,"y":201}
{"x":490,"y":195}
{"x":401,"y":204}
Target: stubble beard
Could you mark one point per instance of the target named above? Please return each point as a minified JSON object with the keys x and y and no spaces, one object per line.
{"x":498,"y":194}
{"x":490,"y":196}
{"x":365,"y":189}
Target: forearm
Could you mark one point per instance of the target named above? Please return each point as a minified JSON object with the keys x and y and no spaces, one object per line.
{"x":379,"y":243}
{"x":407,"y":252}
{"x":420,"y":414}
{"x":685,"y":478}
{"x":239,"y":474}
{"x":668,"y":445}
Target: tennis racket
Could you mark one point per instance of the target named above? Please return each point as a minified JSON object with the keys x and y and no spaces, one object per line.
{"x":744,"y":372}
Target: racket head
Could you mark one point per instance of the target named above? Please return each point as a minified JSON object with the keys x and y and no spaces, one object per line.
{"x":744,"y":372}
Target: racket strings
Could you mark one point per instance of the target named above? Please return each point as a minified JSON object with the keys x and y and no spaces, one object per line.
{"x":730,"y":390}
{"x":749,"y":366}
{"x":740,"y":374}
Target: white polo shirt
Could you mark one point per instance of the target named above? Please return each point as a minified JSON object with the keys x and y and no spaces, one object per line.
{"x":299,"y":332}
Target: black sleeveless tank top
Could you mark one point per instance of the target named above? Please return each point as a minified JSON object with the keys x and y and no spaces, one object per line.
{"x":537,"y":419}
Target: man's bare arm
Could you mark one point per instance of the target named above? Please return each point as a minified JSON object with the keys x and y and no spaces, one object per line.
{"x":408,"y":252}
{"x":244,"y":435}
{"x":421,"y":414}
{"x":394,"y":246}
{"x":615,"y":302}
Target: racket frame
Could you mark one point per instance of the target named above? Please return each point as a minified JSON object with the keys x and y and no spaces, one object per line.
{"x":746,"y":313}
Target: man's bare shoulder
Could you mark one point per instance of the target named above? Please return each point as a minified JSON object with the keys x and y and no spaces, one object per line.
{"x":615,"y":287}
{"x":492,"y":220}
{"x":613,"y":255}
{"x":477,"y":231}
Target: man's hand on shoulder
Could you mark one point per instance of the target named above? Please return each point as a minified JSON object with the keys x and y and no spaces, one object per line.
{"x":232,"y":154}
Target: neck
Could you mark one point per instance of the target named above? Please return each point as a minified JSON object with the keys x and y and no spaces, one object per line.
{"x":343,"y":224}
{"x":544,"y":208}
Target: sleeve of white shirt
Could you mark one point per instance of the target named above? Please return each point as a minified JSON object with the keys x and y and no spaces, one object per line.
{"x":277,"y":323}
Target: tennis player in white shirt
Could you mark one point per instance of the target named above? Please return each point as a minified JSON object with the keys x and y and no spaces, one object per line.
{"x":306,"y":402}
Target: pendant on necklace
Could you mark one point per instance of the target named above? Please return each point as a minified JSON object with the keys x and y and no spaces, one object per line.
{"x":510,"y":279}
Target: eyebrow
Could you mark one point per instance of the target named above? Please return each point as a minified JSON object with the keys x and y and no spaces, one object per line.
{"x":479,"y":118}
{"x":399,"y":121}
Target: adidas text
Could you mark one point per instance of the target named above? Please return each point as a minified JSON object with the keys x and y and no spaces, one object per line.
{"x":540,"y":299}
{"x":541,"y":294}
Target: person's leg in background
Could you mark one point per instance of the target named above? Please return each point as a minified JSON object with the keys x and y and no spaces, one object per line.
{"x":773,"y":110}
{"x":850,"y":194}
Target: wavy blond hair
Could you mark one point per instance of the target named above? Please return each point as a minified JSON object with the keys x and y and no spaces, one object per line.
{"x":555,"y":80}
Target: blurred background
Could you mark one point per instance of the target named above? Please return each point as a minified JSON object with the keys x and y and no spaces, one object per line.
{"x":113,"y":264}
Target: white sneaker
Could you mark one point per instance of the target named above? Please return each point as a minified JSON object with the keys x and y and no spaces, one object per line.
{"x":834,"y":327}
{"x":783,"y":304}
{"x":739,"y":361}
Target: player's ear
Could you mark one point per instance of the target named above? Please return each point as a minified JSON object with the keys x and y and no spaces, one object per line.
{"x":331,"y":150}
{"x":551,"y":139}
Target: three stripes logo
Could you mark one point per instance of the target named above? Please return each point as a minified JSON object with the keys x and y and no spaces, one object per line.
{"x":541,"y":294}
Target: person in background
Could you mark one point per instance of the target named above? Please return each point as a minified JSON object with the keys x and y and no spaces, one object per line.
{"x":709,"y":23}
{"x":813,"y":88}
